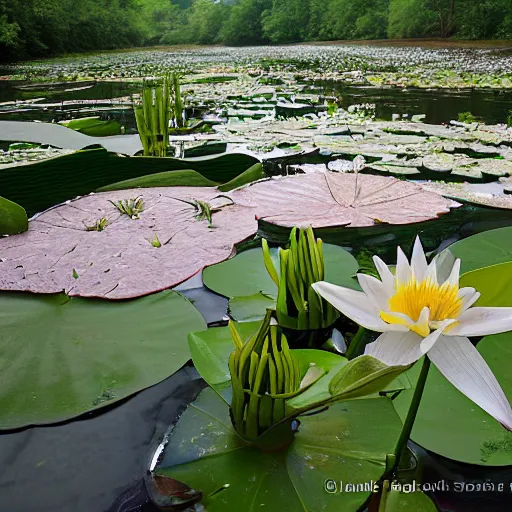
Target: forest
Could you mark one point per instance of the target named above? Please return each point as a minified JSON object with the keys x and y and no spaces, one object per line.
{"x":39,"y":28}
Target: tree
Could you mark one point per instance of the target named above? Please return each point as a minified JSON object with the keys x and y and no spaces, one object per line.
{"x":286,"y":21}
{"x":445,"y":12}
{"x":244,"y":24}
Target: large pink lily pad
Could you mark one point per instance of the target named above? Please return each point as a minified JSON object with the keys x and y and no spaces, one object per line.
{"x":58,"y":254}
{"x":329,"y":200}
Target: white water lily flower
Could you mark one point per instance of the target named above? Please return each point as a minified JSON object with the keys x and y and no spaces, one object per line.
{"x":422,"y":312}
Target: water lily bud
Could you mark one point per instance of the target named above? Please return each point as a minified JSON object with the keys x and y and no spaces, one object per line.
{"x":264,"y":374}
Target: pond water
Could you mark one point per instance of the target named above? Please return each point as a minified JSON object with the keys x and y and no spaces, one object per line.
{"x":112,"y":100}
{"x":490,"y":106}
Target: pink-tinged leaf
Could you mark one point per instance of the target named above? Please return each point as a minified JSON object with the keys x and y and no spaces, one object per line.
{"x":120,"y":262}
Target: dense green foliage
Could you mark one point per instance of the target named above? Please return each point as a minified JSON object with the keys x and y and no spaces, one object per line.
{"x":42,"y":27}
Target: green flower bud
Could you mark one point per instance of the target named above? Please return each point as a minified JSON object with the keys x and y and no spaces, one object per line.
{"x":264,"y":374}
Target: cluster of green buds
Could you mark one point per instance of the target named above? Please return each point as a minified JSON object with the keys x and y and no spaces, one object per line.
{"x":153,"y":116}
{"x":298,"y":306}
{"x":264,"y":374}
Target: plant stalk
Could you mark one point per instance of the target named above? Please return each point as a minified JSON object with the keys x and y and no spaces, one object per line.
{"x":356,"y":347}
{"x":412,"y":413}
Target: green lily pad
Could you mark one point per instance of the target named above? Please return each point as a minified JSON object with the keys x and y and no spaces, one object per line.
{"x":254,"y":173}
{"x":246,"y":275}
{"x":484,"y":249}
{"x":347,"y":444}
{"x":94,"y":126}
{"x":494,"y":284}
{"x":398,"y":501}
{"x":185,"y":178}
{"x":61,"y":356}
{"x":13,"y":218}
{"x":250,"y":308}
{"x":455,"y":427}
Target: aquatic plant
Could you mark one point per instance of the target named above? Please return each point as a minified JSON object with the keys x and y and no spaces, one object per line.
{"x":99,"y":225}
{"x":422,"y":311}
{"x":298,"y":305}
{"x":466,"y":117}
{"x":177,"y":106}
{"x":249,"y":419}
{"x":204,"y":209}
{"x":266,"y":377}
{"x":130,"y":207}
{"x":155,"y":242}
{"x":509,"y":119}
{"x":153,"y":117}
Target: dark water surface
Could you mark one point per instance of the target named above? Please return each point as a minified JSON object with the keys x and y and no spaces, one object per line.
{"x":439,"y":105}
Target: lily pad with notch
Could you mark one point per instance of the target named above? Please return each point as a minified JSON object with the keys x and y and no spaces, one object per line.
{"x":343,"y":444}
{"x":62,"y":356}
{"x":246,"y":281}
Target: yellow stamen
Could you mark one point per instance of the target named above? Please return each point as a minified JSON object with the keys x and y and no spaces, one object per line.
{"x":410,"y":298}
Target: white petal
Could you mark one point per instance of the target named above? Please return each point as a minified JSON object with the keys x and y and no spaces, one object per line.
{"x":403,"y":269}
{"x":469,"y":296}
{"x":453,"y":278}
{"x":400,"y":318}
{"x":444,"y":264}
{"x":422,"y":324}
{"x":418,"y":261}
{"x":375,"y":290}
{"x":356,"y":306}
{"x":432,"y":273}
{"x":432,"y":338}
{"x":482,"y":321}
{"x":464,"y":292}
{"x":461,"y":363}
{"x":396,"y":348}
{"x":388,"y":279}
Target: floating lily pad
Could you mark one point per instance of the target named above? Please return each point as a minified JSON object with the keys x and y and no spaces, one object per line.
{"x":13,"y":218}
{"x":416,"y":501}
{"x":66,"y":138}
{"x":484,"y":249}
{"x":347,"y":443}
{"x":323,"y":200}
{"x":62,"y":356}
{"x":121,"y":261}
{"x":245,"y":274}
{"x":453,"y":426}
{"x":254,"y":173}
{"x":251,"y":307}
{"x":185,"y":178}
{"x":94,"y":126}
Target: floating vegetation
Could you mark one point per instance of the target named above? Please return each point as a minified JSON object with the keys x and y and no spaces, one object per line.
{"x":155,"y":242}
{"x":204,"y":209}
{"x":153,"y":117}
{"x":130,"y":207}
{"x":503,"y":444}
{"x":467,"y":117}
{"x":298,"y":305}
{"x":99,"y":225}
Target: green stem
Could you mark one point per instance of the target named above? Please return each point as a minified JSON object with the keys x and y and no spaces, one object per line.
{"x":357,"y":344}
{"x":413,"y":411}
{"x":384,"y":496}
